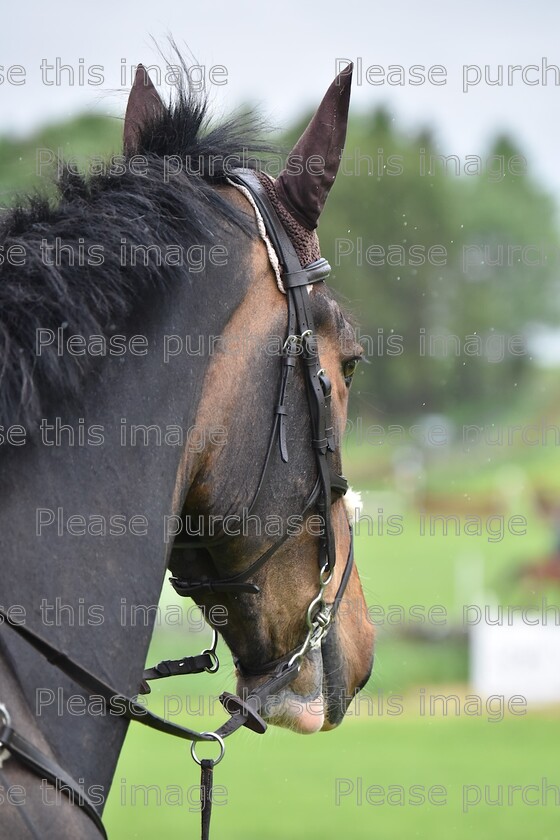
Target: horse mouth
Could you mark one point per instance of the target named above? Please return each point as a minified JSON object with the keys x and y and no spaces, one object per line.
{"x":323,"y":706}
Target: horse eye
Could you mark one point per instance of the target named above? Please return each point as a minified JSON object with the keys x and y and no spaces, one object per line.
{"x":349,"y":369}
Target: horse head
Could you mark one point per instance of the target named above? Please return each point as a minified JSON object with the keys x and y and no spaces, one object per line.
{"x":255,"y":532}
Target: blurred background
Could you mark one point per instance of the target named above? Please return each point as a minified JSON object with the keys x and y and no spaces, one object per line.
{"x":443,"y":234}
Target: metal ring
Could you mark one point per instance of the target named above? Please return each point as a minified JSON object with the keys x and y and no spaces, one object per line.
{"x":299,"y":654}
{"x":215,"y":737}
{"x":211,"y":651}
{"x":326,"y":580}
{"x":310,"y":617}
{"x":216,"y":663}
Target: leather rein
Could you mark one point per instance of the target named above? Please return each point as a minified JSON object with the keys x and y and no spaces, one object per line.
{"x":301,"y":342}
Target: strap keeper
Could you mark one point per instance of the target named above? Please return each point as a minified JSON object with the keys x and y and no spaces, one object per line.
{"x":339,"y":484}
{"x":164,"y":668}
{"x":315,"y":272}
{"x":325,"y":384}
{"x":292,"y":279}
{"x":235,"y":705}
{"x":281,"y":409}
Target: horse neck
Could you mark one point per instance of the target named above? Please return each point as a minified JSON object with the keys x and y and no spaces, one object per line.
{"x":88,"y":576}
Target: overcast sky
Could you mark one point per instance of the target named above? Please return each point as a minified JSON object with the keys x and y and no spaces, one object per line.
{"x":283,"y":56}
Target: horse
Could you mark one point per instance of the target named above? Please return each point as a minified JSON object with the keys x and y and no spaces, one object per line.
{"x":233,"y":371}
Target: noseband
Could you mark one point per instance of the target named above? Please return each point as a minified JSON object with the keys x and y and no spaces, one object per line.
{"x":301,"y":341}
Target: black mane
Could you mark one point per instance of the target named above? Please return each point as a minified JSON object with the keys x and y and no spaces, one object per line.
{"x":102,"y":210}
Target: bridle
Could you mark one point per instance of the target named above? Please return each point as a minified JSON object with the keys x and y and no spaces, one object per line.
{"x":300,"y":343}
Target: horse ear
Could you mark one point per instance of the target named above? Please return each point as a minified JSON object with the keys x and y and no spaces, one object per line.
{"x":144,"y":106}
{"x":304,"y":194}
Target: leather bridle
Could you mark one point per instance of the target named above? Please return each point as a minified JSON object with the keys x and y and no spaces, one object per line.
{"x":301,"y":342}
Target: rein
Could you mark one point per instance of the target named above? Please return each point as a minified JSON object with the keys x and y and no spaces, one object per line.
{"x":300,"y":341}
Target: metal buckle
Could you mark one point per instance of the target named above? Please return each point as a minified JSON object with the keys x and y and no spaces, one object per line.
{"x":291,"y":341}
{"x":295,"y":342}
{"x":6,"y":722}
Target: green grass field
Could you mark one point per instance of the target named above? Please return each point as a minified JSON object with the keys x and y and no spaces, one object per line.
{"x":281,"y":785}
